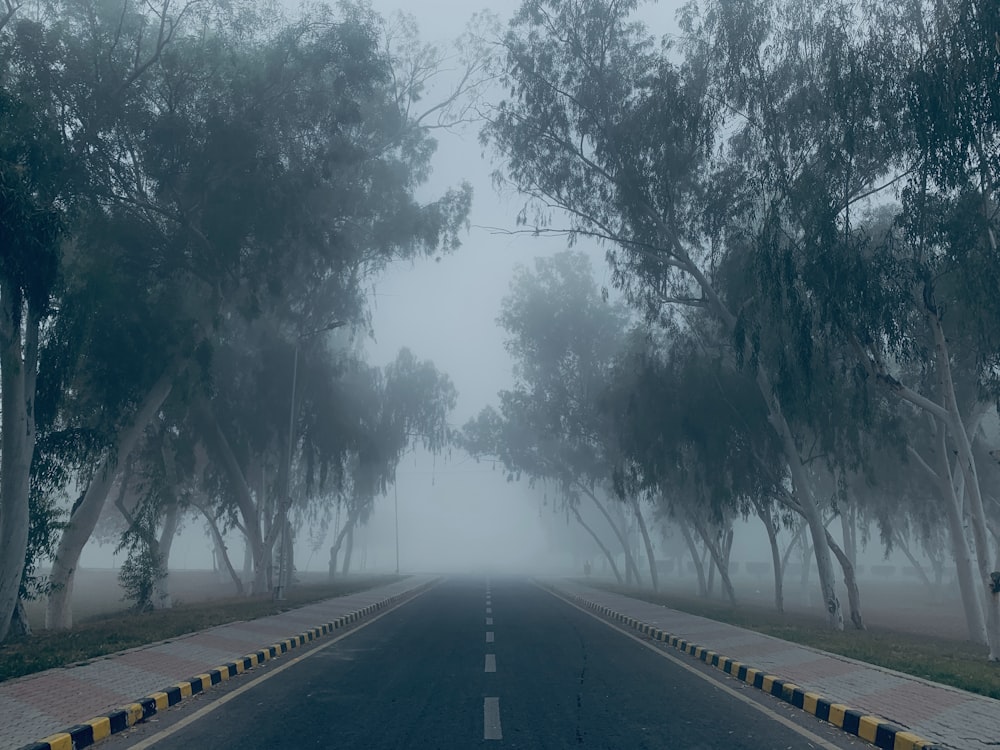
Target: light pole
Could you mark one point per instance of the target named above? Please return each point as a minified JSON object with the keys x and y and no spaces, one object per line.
{"x":283,"y":572}
{"x":395,"y":496}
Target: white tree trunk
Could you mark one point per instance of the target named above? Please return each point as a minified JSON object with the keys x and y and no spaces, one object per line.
{"x":59,"y":612}
{"x":18,"y":371}
{"x":647,"y":542}
{"x":965,"y":569}
{"x":161,"y":586}
{"x":693,"y":548}
{"x":977,"y":512}
{"x":807,"y":502}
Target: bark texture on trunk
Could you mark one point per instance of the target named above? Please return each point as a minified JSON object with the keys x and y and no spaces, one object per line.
{"x":973,"y":489}
{"x":59,"y":612}
{"x":18,"y":373}
{"x":850,"y":581}
{"x":965,"y":571}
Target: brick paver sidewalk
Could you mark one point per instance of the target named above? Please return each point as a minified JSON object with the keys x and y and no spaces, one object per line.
{"x":943,"y":715}
{"x":39,"y":705}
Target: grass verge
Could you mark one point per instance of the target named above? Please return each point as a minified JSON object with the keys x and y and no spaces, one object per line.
{"x":104,"y":635}
{"x":957,"y":663}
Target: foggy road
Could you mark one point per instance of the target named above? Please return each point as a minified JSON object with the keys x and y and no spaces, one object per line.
{"x":473,"y":662}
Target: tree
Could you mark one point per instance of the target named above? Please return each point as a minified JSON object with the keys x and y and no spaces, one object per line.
{"x":249,"y":195}
{"x":563,"y":337}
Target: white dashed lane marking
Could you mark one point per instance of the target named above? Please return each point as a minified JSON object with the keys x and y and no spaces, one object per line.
{"x":491,"y":719}
{"x":489,"y":636}
{"x":491,"y":663}
{"x":489,"y":620}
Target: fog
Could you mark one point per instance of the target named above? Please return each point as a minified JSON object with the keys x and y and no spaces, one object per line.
{"x":454,"y":514}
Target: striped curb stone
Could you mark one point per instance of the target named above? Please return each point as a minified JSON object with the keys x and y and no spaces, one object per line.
{"x":874,"y":729}
{"x":98,"y":728}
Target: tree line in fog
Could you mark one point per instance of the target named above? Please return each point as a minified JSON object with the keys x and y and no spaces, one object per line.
{"x":798,"y":201}
{"x":193,"y":196}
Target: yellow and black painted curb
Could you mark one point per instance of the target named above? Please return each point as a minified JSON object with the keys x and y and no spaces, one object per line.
{"x":878,"y":731}
{"x":96,"y":729}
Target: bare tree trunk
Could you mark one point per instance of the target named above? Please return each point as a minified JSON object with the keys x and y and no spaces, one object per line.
{"x":348,"y":550}
{"x":764,"y":513}
{"x":853,"y":594}
{"x":921,"y":573}
{"x":977,"y":511}
{"x":18,"y":372}
{"x":335,"y":549}
{"x":699,"y":568}
{"x":950,"y":415}
{"x":807,"y":502}
{"x":849,"y":531}
{"x":975,"y":619}
{"x":220,"y":545}
{"x":630,"y":567}
{"x":260,"y":544}
{"x":717,"y":557}
{"x":607,"y":553}
{"x":161,"y":586}
{"x":647,"y":543}
{"x":59,"y":612}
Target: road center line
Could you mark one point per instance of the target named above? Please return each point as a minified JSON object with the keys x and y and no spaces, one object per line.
{"x":491,"y":719}
{"x":489,"y":636}
{"x":491,"y":663}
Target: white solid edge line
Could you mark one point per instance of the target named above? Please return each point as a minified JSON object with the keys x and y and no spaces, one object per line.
{"x":491,"y":719}
{"x":491,"y":663}
{"x":202,"y":712}
{"x":711,"y":679}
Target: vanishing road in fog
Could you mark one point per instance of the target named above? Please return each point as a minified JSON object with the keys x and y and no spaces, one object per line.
{"x":474,"y":663}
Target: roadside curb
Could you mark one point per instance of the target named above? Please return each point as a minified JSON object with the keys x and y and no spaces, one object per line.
{"x":874,"y":729}
{"x":98,"y":728}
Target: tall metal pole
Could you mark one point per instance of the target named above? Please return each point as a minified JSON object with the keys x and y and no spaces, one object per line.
{"x":395,"y":495}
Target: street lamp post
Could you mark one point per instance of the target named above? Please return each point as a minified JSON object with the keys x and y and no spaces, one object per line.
{"x":283,"y":572}
{"x":395,"y":496}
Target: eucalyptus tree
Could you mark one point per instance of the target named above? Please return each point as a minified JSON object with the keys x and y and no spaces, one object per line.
{"x":403,"y":406}
{"x":563,"y":337}
{"x":693,"y":434}
{"x":269,"y":169}
{"x":760,"y":136}
{"x":66,"y":68}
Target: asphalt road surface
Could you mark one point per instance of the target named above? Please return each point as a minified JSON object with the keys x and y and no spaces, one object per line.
{"x":472,"y":662}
